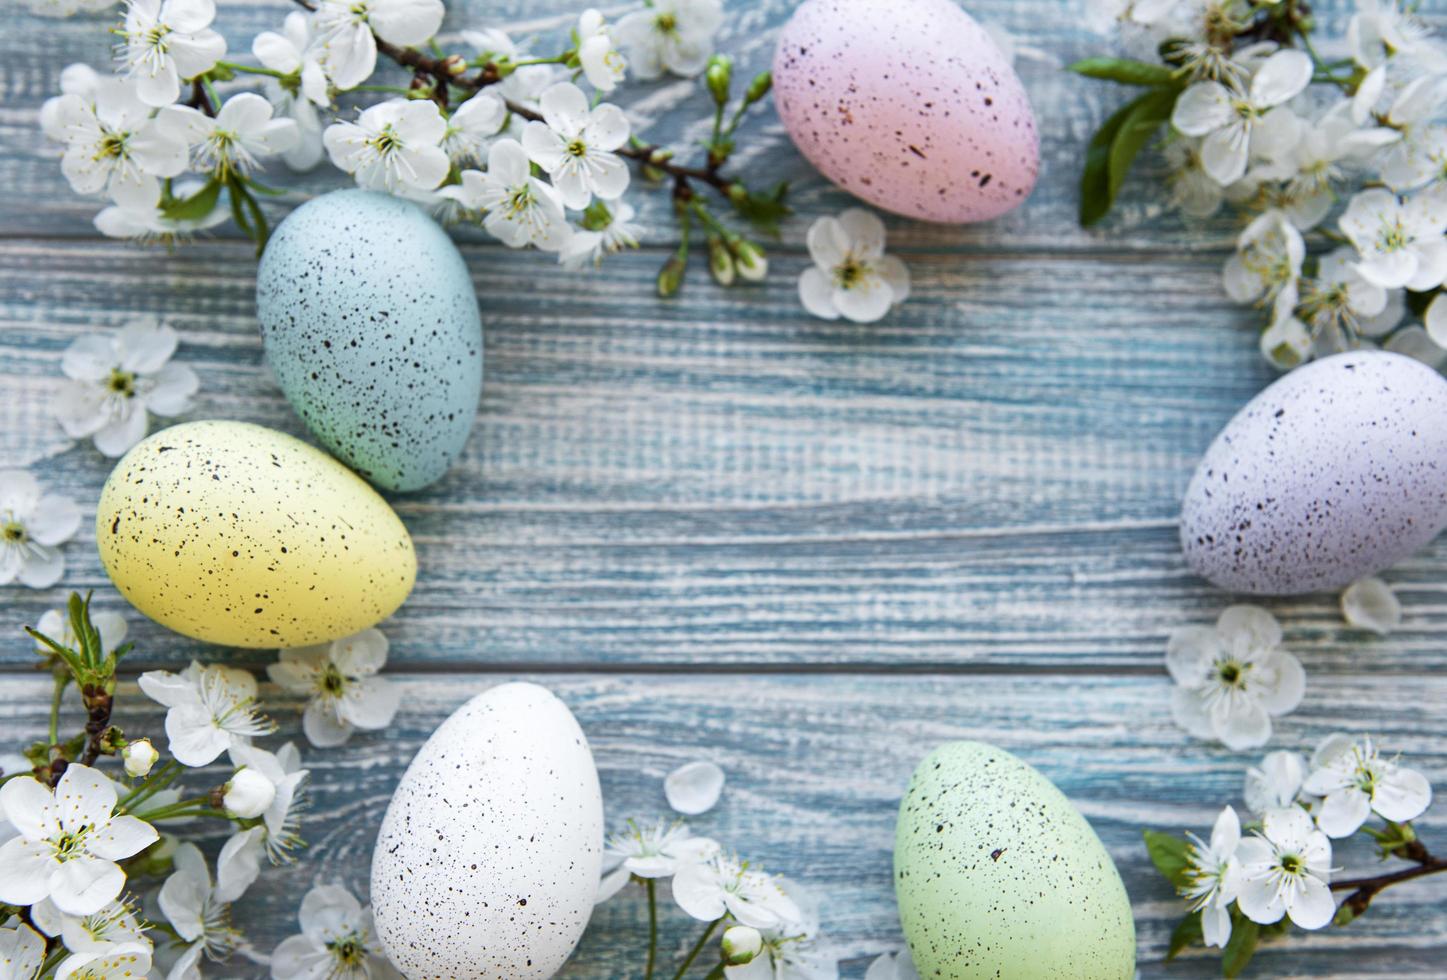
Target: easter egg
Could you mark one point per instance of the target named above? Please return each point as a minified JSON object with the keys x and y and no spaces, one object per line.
{"x":370,"y":324}
{"x":240,"y":535}
{"x":489,"y":857}
{"x":908,"y":105}
{"x":1335,"y":471}
{"x":998,"y":875}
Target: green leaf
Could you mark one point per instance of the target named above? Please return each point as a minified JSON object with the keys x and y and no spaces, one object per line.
{"x":1241,"y":946}
{"x":1095,"y":197}
{"x":1145,"y":119}
{"x":195,"y":207}
{"x":1169,"y":855}
{"x":1126,"y":71}
{"x":1187,"y":933}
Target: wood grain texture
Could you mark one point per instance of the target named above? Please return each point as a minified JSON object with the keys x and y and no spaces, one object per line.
{"x":990,"y":478}
{"x":816,"y":767}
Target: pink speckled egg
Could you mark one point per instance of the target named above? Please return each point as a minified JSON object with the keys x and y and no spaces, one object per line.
{"x":909,"y":105}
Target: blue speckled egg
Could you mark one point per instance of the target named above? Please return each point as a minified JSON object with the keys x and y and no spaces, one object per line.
{"x":371,"y":326}
{"x":1336,"y":471}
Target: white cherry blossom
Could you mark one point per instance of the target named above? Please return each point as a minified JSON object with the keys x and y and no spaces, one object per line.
{"x":670,"y":35}
{"x":1340,"y":298}
{"x":211,"y":709}
{"x":117,"y":381}
{"x":1386,"y":29}
{"x":589,"y":244}
{"x":1419,"y":155}
{"x":1400,"y":241}
{"x":575,"y":144}
{"x":471,"y":127}
{"x":33,"y":526}
{"x":524,"y":84}
{"x":117,"y":923}
{"x":1212,"y":877}
{"x":1238,"y":121}
{"x":520,"y":209}
{"x":202,"y":920}
{"x":1193,"y":190}
{"x":851,"y":276}
{"x":1267,"y":263}
{"x":117,"y":962}
{"x":1356,"y":781}
{"x":276,"y":835}
{"x":1285,"y":870}
{"x":1231,"y":679}
{"x":1275,"y":783}
{"x":303,"y":91}
{"x":655,"y":851}
{"x":792,"y":950}
{"x":168,"y":42}
{"x":603,"y":64}
{"x":153,"y":224}
{"x":345,"y":33}
{"x":392,"y":145}
{"x":236,"y":138}
{"x":339,"y":678}
{"x":720,"y":883}
{"x":78,"y":79}
{"x":69,"y":841}
{"x":113,"y":145}
{"x":337,"y":940}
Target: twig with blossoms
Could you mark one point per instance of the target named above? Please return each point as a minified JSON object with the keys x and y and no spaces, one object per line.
{"x":176,"y":154}
{"x":1242,"y":888}
{"x":1250,"y":111}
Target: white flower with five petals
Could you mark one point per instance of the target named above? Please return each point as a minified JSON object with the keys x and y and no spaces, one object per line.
{"x":202,"y":920}
{"x":575,"y":145}
{"x":603,"y":64}
{"x":302,"y":91}
{"x":233,"y":140}
{"x":33,"y":526}
{"x":1356,"y":781}
{"x":340,"y":679}
{"x":520,"y":209}
{"x":211,"y":709}
{"x":720,"y":884}
{"x":649,"y":852}
{"x":69,"y":841}
{"x":392,"y":145}
{"x":1284,"y":871}
{"x":1267,"y":263}
{"x":337,"y":940}
{"x":168,"y":42}
{"x":670,"y":35}
{"x":1238,"y":121}
{"x":113,"y":145}
{"x":471,"y":127}
{"x":1212,"y":878}
{"x":1400,"y":241}
{"x":117,"y":381}
{"x":1231,"y":679}
{"x":345,"y":31}
{"x":851,"y":276}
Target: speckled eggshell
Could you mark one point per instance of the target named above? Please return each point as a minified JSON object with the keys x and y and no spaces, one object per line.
{"x":370,"y":324}
{"x":488,"y":861}
{"x":240,"y":535}
{"x":998,"y":875}
{"x":909,"y":105}
{"x":1336,"y":471}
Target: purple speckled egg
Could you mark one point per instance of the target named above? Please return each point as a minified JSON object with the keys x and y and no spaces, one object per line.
{"x":909,"y":105}
{"x":1336,"y":471}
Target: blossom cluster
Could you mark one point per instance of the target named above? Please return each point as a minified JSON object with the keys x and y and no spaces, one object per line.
{"x":1282,"y":870}
{"x":1284,"y":126}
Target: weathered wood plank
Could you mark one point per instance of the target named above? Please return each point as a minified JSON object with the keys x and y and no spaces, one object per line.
{"x":816,"y":766}
{"x":34,"y":50}
{"x":992,"y":477}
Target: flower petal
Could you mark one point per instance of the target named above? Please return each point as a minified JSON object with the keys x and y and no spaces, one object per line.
{"x":607,"y":128}
{"x":1190,"y":651}
{"x":53,"y":521}
{"x":115,"y":438}
{"x":694,"y":787}
{"x":865,"y":232}
{"x":1343,"y":812}
{"x":1370,"y":604}
{"x":1313,"y":906}
{"x":84,"y":799}
{"x":1402,"y":794}
{"x":817,"y":294}
{"x":123,"y":837}
{"x":25,"y":870}
{"x":322,"y":728}
{"x":1286,"y":684}
{"x":1251,"y":623}
{"x":83,"y":885}
{"x":1282,"y":77}
{"x":1189,"y":710}
{"x":565,"y":109}
{"x":29,"y":806}
{"x":360,"y":655}
{"x":1202,"y":108}
{"x":88,"y":358}
{"x":371,"y":704}
{"x":828,"y":243}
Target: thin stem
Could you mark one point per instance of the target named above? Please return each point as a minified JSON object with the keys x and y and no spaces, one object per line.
{"x":1363,"y":890}
{"x":251,"y":69}
{"x":194,"y":807}
{"x":559,"y":60}
{"x":158,"y":781}
{"x":652,"y":887}
{"x":61,"y":680}
{"x":388,"y":89}
{"x":697,"y":948}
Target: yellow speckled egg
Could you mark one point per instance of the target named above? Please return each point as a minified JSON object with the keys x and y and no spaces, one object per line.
{"x":244,"y":536}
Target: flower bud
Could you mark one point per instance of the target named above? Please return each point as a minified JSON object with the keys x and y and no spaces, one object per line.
{"x":248,"y":794}
{"x":454,"y":65}
{"x":759,"y":87}
{"x":719,"y":74}
{"x":670,"y":277}
{"x":741,"y":944}
{"x":720,"y":261}
{"x":751,"y":261}
{"x":139,"y":756}
{"x":738,"y":194}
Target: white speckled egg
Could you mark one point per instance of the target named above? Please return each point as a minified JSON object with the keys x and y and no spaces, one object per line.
{"x":909,"y":105}
{"x":1336,"y":471}
{"x":370,"y":324}
{"x":997,"y":874}
{"x":244,"y":536}
{"x":489,"y":857}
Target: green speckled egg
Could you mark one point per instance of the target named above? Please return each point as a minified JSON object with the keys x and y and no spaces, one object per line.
{"x":998,"y":875}
{"x":370,"y":324}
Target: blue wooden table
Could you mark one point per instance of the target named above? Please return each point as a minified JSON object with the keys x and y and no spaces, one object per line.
{"x":808,"y":551}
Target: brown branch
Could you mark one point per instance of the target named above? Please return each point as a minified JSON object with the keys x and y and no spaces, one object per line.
{"x":98,"y":708}
{"x":1363,"y":890}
